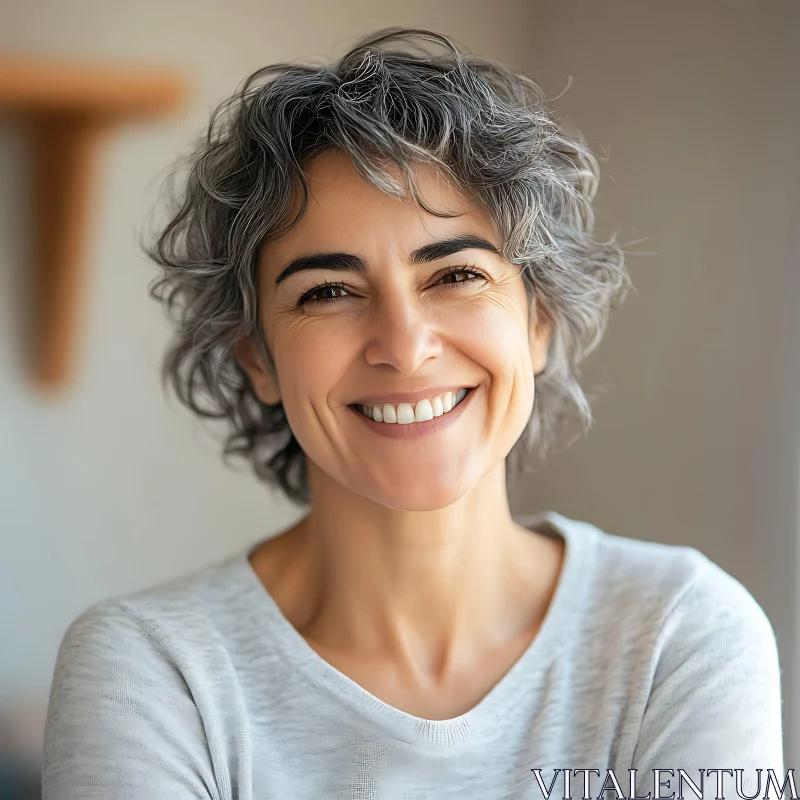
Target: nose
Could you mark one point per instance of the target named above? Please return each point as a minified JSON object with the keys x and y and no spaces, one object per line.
{"x":402,"y":333}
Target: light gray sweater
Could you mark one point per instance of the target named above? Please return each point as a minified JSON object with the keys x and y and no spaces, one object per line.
{"x":650,"y":657}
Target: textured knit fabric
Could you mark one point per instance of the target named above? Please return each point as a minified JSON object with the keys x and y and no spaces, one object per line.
{"x":650,"y":657}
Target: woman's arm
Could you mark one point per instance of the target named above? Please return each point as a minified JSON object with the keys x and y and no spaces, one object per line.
{"x":121,"y":722}
{"x":715,"y":701}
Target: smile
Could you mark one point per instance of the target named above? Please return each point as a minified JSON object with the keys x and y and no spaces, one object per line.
{"x":409,"y":420}
{"x":411,"y":413}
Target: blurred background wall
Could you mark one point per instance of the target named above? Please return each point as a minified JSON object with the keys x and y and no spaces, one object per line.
{"x":697,"y":435}
{"x":110,"y":487}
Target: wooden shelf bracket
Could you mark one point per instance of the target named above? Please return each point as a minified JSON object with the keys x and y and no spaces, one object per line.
{"x":68,"y":109}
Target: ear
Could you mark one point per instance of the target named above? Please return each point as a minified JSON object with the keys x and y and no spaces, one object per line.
{"x":541,"y":331}
{"x":262,"y":377}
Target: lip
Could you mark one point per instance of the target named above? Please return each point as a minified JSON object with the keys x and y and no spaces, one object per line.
{"x":413,"y":430}
{"x":409,"y":397}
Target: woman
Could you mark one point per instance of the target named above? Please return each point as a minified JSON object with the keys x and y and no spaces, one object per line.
{"x":384,"y":278}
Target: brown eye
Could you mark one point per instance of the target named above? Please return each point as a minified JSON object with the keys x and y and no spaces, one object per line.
{"x":461,"y":275}
{"x":324,"y":293}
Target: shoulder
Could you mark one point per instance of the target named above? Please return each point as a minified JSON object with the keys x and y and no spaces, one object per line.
{"x":132,"y":697}
{"x":170,"y":626}
{"x":693,"y":590}
{"x":662,"y":594}
{"x":626,"y":576}
{"x":704,"y":629}
{"x":105,"y":625}
{"x":113,"y":662}
{"x":109,"y":650}
{"x":703,"y":661}
{"x":153,"y":652}
{"x":686,"y":643}
{"x":716,"y":623}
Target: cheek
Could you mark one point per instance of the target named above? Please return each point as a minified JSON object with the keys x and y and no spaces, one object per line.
{"x":493,"y":333}
{"x":311,"y":356}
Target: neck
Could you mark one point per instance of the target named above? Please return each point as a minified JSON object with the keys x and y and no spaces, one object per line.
{"x":416,"y":587}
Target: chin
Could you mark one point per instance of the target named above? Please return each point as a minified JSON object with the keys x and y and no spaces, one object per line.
{"x":418,"y":494}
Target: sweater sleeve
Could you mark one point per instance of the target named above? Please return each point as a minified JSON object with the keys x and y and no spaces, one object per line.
{"x":121,"y":722}
{"x":715,"y":700}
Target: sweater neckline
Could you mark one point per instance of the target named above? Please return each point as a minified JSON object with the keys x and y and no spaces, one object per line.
{"x":477,"y":723}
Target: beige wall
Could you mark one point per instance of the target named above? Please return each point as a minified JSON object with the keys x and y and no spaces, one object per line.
{"x":696,"y":438}
{"x":110,"y":488}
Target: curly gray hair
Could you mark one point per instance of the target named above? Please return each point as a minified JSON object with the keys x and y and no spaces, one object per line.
{"x":388,"y":101}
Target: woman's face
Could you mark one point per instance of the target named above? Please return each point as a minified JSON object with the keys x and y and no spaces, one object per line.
{"x":370,"y":324}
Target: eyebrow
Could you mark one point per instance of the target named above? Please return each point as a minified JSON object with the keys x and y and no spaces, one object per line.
{"x":350,"y":263}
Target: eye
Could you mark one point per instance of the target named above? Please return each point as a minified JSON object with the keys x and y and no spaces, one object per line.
{"x":317,"y":293}
{"x":461,"y":274}
{"x":311,"y":297}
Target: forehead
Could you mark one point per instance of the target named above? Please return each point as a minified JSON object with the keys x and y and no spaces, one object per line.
{"x":347,"y":213}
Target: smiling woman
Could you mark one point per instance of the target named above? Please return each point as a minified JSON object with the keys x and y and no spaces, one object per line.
{"x":383,"y":276}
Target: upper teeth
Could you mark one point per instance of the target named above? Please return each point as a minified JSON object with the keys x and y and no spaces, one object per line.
{"x":406,"y":413}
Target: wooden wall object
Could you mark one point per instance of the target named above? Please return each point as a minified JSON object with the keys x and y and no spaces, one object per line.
{"x":68,"y":109}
